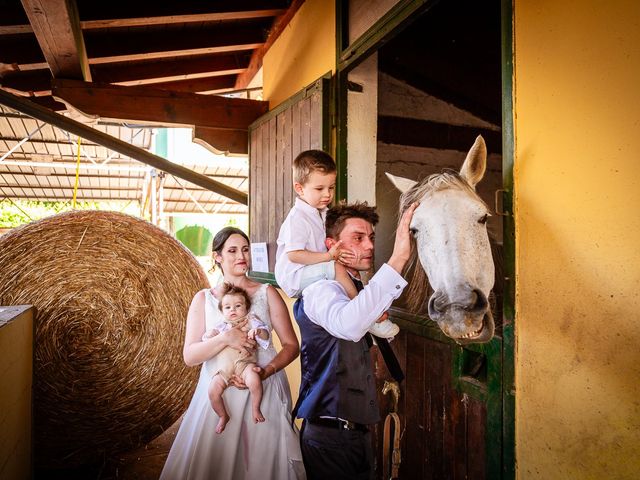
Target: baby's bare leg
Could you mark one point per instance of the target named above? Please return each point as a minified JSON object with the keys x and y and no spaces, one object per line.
{"x":254,"y":383}
{"x":216,"y":389}
{"x":345,"y":280}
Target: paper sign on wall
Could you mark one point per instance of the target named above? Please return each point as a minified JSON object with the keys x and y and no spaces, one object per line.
{"x":259,"y":257}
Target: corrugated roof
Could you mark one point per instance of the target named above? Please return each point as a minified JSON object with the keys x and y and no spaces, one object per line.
{"x":44,"y":168}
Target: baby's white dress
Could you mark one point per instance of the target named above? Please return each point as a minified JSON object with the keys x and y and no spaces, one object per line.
{"x":244,"y":450}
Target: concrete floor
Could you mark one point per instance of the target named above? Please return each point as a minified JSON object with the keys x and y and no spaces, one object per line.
{"x":144,"y":463}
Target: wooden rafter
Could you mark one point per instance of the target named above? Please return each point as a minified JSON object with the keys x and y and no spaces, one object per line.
{"x":38,"y":82}
{"x":222,"y":141}
{"x":111,"y":15}
{"x":186,"y":18}
{"x":152,"y":105}
{"x":104,"y":47}
{"x":170,"y":70}
{"x":56,"y":25}
{"x":208,"y":85}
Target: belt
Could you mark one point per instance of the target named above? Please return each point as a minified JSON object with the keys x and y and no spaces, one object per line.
{"x":339,"y":424}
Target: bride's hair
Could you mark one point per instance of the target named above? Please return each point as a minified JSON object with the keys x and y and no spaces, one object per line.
{"x":221,"y":238}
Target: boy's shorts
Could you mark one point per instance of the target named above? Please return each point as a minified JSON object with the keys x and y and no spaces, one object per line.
{"x":312,"y":273}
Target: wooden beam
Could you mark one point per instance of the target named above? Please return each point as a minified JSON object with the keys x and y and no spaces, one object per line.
{"x":115,"y":144}
{"x":107,"y":47}
{"x":38,"y":82}
{"x":218,"y":12}
{"x":255,"y":63}
{"x":33,"y":82}
{"x":199,"y":85}
{"x":429,"y":134}
{"x":15,"y":29}
{"x":169,"y":70}
{"x":122,"y":9}
{"x":22,"y":51}
{"x":143,"y":104}
{"x":56,"y":25}
{"x":13,"y":20}
{"x":184,"y":18}
{"x":221,"y":141}
{"x":49,"y":102}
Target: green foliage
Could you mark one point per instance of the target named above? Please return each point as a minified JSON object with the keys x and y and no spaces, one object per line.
{"x":196,"y":238}
{"x":14,"y":213}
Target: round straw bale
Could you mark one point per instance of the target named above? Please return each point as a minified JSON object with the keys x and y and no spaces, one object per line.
{"x":111,"y":294}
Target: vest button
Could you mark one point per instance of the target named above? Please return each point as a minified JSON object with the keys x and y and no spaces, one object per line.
{"x":371,"y":403}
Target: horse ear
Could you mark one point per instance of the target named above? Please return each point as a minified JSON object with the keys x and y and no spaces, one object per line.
{"x":475,"y":164}
{"x":401,"y":183}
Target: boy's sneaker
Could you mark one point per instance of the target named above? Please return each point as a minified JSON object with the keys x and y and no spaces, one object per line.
{"x":385,"y":329}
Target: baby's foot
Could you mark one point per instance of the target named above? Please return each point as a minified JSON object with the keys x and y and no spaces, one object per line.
{"x":257,"y":416}
{"x":222,"y":423}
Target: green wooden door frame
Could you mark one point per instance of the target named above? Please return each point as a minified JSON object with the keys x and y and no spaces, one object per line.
{"x":499,"y":387}
{"x":322,"y":86}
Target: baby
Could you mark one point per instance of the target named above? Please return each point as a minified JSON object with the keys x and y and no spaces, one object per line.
{"x":302,"y":257}
{"x":234,"y":305}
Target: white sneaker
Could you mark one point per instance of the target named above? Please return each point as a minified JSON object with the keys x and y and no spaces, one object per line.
{"x":385,"y":329}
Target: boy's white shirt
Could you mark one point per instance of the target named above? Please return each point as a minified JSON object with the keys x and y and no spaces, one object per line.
{"x":303,"y":229}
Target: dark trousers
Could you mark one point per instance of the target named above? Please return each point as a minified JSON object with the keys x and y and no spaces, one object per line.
{"x":336,"y":454}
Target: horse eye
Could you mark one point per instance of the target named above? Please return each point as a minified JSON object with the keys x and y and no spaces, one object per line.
{"x":483,"y":219}
{"x":414,"y":231}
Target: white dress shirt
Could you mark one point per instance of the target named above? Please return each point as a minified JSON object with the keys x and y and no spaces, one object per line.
{"x":303,"y":229}
{"x":328,"y":305}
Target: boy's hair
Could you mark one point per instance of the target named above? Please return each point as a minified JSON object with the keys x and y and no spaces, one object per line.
{"x":230,"y":289}
{"x":311,"y":161}
{"x":340,"y":213}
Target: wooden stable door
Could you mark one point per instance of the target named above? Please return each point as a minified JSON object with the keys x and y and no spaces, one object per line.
{"x":275,"y":139}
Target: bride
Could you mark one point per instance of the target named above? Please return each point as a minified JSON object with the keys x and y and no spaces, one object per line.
{"x":244,"y":450}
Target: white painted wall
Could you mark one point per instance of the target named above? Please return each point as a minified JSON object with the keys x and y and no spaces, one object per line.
{"x":364,"y":13}
{"x":362,"y":128}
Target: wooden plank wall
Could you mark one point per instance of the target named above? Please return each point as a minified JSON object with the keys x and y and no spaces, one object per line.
{"x":443,"y":430}
{"x":274,"y":143}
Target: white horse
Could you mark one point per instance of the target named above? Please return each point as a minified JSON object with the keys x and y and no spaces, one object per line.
{"x":450,"y":229}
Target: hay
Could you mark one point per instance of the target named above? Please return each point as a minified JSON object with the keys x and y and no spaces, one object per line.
{"x":112,"y":293}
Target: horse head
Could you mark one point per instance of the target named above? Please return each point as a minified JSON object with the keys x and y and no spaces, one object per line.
{"x":452,"y":244}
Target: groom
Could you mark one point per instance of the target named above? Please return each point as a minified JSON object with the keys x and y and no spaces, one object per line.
{"x":337,"y":395}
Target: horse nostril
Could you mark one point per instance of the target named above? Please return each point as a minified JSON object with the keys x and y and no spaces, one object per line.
{"x":479,"y":302}
{"x":437,"y":304}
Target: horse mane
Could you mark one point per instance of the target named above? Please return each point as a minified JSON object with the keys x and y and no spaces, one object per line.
{"x":419,"y":288}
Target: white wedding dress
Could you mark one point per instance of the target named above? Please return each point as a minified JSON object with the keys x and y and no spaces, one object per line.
{"x":244,"y":450}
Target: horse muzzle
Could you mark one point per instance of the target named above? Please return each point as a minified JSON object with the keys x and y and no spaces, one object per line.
{"x":466,"y":320}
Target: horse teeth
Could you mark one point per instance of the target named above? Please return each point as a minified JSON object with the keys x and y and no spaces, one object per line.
{"x":470,"y":334}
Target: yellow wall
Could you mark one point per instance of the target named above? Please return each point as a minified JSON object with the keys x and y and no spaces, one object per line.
{"x":577,"y":176}
{"x":303,"y":53}
{"x":16,"y":372}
